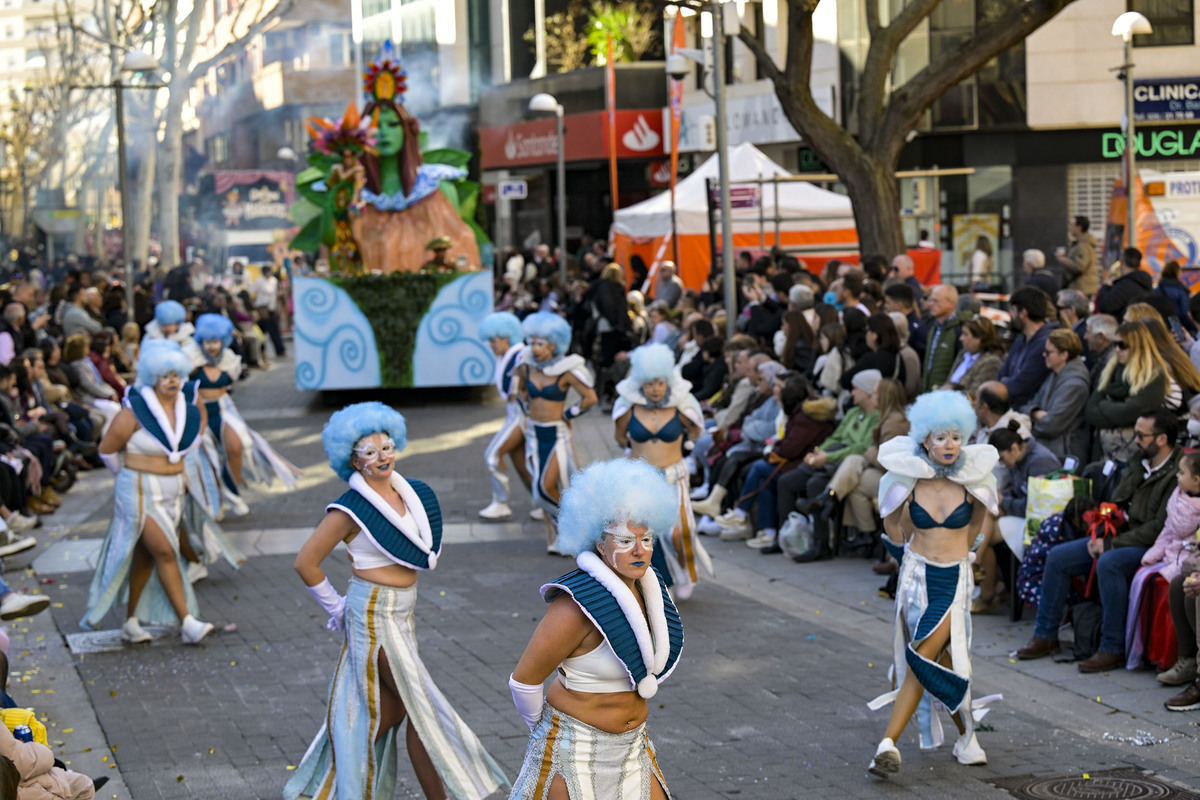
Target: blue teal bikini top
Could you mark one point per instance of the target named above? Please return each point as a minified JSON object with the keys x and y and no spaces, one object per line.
{"x":959,"y":517}
{"x":201,"y":376}
{"x":550,"y":391}
{"x":670,"y":432}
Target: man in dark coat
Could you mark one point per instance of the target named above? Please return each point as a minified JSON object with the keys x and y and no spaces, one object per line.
{"x":1132,"y":287}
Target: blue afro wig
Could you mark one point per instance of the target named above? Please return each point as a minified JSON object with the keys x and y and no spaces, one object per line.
{"x":169,"y":312}
{"x":157,"y":357}
{"x":935,"y":412}
{"x":651,"y":361}
{"x":352,"y":423}
{"x":501,"y":325}
{"x":551,"y":327}
{"x":608,"y":492}
{"x":214,"y":326}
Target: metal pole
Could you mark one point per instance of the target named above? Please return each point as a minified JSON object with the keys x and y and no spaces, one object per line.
{"x":123,"y":183}
{"x":730,"y":279}
{"x":1130,"y":146}
{"x":562,"y":206}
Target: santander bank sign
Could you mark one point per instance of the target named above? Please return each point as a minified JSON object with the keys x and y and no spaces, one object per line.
{"x":530,"y":146}
{"x":639,"y":134}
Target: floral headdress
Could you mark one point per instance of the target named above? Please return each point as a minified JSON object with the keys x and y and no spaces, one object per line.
{"x":353,"y":133}
{"x":384,"y":80}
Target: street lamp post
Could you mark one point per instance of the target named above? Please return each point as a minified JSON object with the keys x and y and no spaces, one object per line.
{"x":730,"y":279}
{"x":1125,"y":26}
{"x":546,"y":103}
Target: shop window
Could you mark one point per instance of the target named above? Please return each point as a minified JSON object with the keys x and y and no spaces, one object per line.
{"x":1173,"y":21}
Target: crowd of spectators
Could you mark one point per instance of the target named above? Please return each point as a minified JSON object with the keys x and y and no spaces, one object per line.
{"x":1095,"y":372}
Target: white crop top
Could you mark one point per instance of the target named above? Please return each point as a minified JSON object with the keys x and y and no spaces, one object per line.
{"x":365,"y":555}
{"x":142,"y":443}
{"x":598,"y":671}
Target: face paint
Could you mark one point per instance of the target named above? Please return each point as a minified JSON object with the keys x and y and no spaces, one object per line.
{"x":622,"y":540}
{"x":213,"y":348}
{"x":368,"y":454}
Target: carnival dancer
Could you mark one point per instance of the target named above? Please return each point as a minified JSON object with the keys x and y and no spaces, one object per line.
{"x":141,"y":551}
{"x":171,"y":322}
{"x":654,"y":413}
{"x":502,"y":332}
{"x":392,"y":528}
{"x":934,"y":498}
{"x":238,"y":449}
{"x":612,"y":635}
{"x":546,"y":374}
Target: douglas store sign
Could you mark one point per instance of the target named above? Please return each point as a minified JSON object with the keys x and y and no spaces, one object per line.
{"x":1155,"y":143}
{"x":1166,"y":99}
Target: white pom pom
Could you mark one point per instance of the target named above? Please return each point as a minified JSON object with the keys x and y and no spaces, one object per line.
{"x":648,"y":686}
{"x":433,"y":560}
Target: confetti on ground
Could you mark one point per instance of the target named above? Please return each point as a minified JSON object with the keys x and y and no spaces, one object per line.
{"x":1139,"y":739}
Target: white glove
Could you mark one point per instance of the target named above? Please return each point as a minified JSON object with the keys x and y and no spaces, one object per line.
{"x":333,"y":603}
{"x":528,"y":700}
{"x":112,"y":461}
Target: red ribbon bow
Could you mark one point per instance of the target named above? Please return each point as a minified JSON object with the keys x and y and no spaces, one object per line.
{"x":1102,"y":523}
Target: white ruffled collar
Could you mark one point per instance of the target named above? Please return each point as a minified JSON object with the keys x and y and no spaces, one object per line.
{"x":654,"y":641}
{"x":414,"y":525}
{"x":174,"y":434}
{"x":975,"y":461}
{"x":629,"y":394}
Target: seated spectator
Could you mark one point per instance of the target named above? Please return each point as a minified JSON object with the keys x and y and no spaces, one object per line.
{"x":798,"y":351}
{"x":1184,"y":379}
{"x":1024,"y":368}
{"x":994,"y":412}
{"x":800,"y":434}
{"x":942,"y":342}
{"x":99,"y":353}
{"x":1056,"y":410}
{"x":802,"y":299}
{"x":1133,"y":384}
{"x":1165,"y":556}
{"x":904,"y":270}
{"x":714,"y":371}
{"x":901,"y":298}
{"x":1142,"y":493}
{"x":664,"y":324}
{"x":75,"y":318}
{"x":1038,"y":274}
{"x":1073,"y":309}
{"x":833,"y":359}
{"x":850,"y":293}
{"x":908,"y":356}
{"x":85,"y":383}
{"x":1131,"y":287}
{"x":980,"y":359}
{"x":12,"y":340}
{"x":1065,"y":526}
{"x":1020,"y":459}
{"x":1101,"y":333}
{"x":1175,"y":290}
{"x":698,"y":331}
{"x":1184,"y":596}
{"x":856,"y":480}
{"x":883,"y":352}
{"x":639,"y":320}
{"x":131,"y":336}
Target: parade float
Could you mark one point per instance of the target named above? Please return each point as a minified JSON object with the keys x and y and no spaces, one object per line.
{"x":395,"y":223}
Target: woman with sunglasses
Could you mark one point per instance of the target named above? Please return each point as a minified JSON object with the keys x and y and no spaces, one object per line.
{"x":1134,"y":382}
{"x":610,"y":636}
{"x":934,"y":498}
{"x":146,"y":447}
{"x":546,"y":374}
{"x":392,"y":529}
{"x":654,"y":414}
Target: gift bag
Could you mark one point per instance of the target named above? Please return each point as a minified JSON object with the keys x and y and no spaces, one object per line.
{"x":1048,"y":495}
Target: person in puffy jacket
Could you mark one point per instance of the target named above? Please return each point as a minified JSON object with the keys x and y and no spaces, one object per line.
{"x":40,"y":779}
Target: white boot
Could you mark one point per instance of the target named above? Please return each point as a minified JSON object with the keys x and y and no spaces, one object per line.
{"x":193,"y":630}
{"x":237,"y":505}
{"x":496,"y":510}
{"x":968,"y":751}
{"x":196,"y":572}
{"x":886,"y":760}
{"x":711,"y":505}
{"x":133,"y":633}
{"x":536,"y":513}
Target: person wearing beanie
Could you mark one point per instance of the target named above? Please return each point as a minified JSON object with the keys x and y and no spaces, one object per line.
{"x":611,"y":635}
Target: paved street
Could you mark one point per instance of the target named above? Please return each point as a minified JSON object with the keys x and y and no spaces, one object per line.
{"x":769,"y":700}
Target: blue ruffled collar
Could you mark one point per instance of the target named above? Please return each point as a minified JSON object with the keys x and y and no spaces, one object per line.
{"x":428,"y":178}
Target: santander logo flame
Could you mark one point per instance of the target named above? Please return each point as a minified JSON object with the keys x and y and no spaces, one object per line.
{"x":641,"y":137}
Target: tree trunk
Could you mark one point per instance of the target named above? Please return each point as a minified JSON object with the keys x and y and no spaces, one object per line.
{"x":168,"y":174}
{"x":876,"y":196}
{"x":141,"y":206}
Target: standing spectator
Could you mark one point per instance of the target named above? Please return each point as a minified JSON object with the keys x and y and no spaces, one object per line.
{"x":76,"y":319}
{"x":942,"y":336}
{"x":611,"y":312}
{"x":1057,"y":408}
{"x":266,"y":297}
{"x":177,"y":285}
{"x":1131,"y":287}
{"x":1033,"y":262}
{"x":1142,"y":492}
{"x":1177,"y":292}
{"x":981,"y":264}
{"x":668,"y":288}
{"x":639,"y":320}
{"x":851,"y":291}
{"x":980,"y":359}
{"x":1079,"y":261}
{"x":1025,"y":367}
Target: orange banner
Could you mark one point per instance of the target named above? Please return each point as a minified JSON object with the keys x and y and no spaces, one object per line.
{"x":677,"y":43}
{"x":611,"y":104}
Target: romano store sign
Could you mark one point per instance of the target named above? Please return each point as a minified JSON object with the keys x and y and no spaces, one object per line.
{"x":639,"y":135}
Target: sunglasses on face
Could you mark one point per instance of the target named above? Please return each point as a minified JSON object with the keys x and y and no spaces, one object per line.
{"x":1121,"y":345}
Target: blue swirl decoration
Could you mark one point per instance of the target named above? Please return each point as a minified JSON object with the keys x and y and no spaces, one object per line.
{"x":335,"y":347}
{"x":448,"y":353}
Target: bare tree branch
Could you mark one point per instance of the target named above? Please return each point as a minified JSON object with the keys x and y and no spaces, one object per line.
{"x":239,"y":44}
{"x":881,"y":53}
{"x":872,"y":15}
